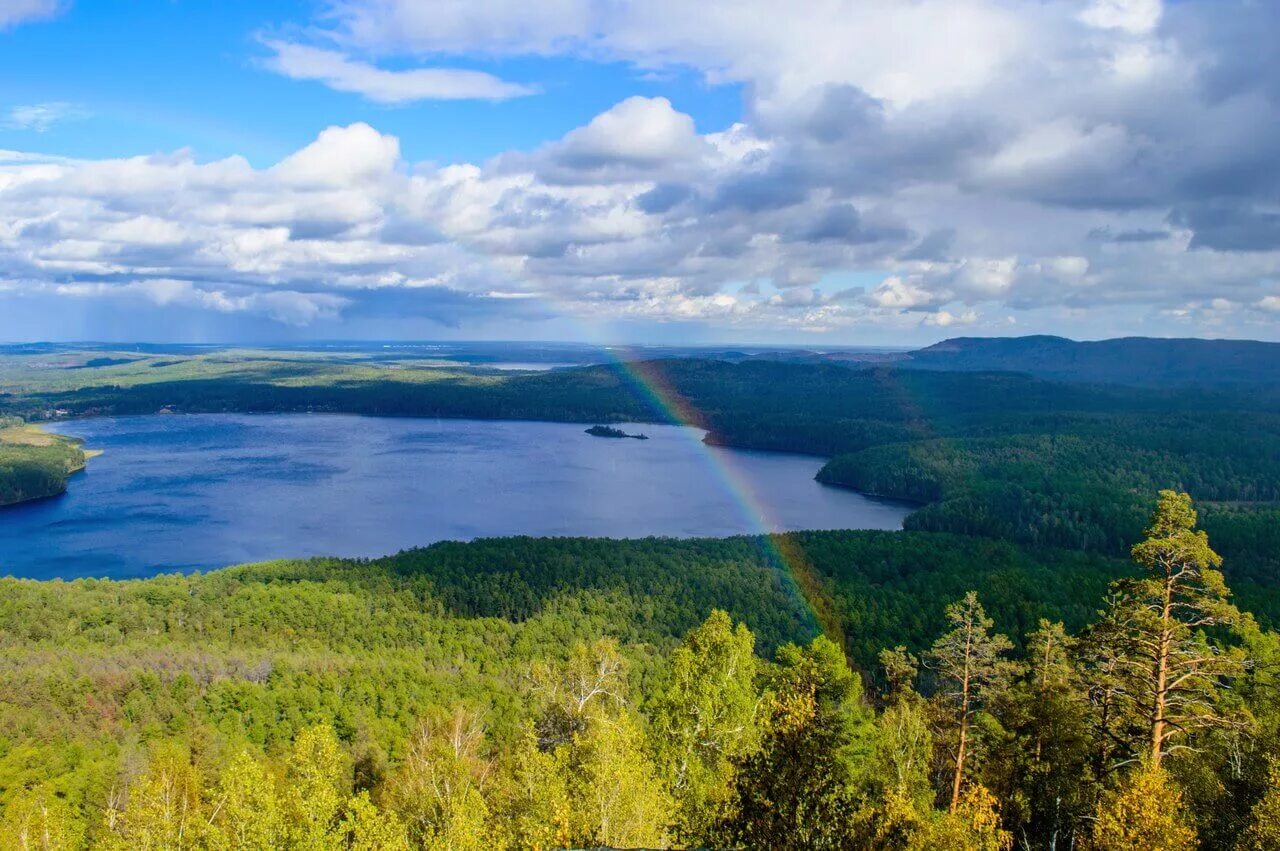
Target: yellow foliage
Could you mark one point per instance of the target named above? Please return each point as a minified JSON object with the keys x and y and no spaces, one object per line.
{"x":1145,"y":814}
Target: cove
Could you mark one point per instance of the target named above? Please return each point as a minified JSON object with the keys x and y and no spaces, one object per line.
{"x":202,"y":491}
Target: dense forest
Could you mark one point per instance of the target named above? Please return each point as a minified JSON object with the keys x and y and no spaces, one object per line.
{"x":534,"y":693}
{"x":808,"y":690}
{"x":33,"y":463}
{"x":998,"y":454}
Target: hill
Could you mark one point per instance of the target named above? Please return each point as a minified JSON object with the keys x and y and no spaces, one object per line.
{"x":1129,"y":360}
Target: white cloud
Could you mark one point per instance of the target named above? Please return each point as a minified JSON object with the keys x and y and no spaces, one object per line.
{"x":341,"y":73}
{"x":342,"y":156}
{"x":1103,"y":164}
{"x":40,"y":117}
{"x":14,"y":12}
{"x":639,"y":130}
{"x":904,"y":294}
{"x":953,"y":45}
{"x":1135,"y":16}
{"x":946,"y":319}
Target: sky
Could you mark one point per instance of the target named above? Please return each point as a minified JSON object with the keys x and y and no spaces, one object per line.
{"x":824,"y":172}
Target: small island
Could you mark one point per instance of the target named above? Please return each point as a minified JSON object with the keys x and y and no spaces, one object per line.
{"x":609,"y":431}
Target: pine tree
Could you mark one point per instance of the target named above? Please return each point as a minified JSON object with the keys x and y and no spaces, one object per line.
{"x":1044,"y":776}
{"x":969,"y":664}
{"x":1171,"y":677}
{"x":900,"y":669}
{"x":795,"y":791}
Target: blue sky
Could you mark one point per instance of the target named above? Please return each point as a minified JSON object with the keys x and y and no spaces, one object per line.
{"x":871,"y":173}
{"x":158,"y":75}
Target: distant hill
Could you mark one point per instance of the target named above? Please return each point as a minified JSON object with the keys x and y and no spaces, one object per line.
{"x":1127,"y":360}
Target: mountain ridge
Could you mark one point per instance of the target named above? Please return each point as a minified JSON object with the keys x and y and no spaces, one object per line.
{"x":1121,"y":360}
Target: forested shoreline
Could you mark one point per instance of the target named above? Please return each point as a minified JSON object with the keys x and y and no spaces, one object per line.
{"x":1002,"y":455}
{"x":427,"y":700}
{"x":34,"y":464}
{"x":542,"y":693}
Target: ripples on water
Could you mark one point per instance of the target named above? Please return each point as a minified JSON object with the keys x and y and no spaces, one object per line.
{"x":204,"y":491}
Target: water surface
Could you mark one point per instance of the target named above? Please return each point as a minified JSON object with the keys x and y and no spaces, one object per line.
{"x":205,"y":491}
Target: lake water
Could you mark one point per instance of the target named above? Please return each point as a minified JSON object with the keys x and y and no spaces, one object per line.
{"x":205,"y":491}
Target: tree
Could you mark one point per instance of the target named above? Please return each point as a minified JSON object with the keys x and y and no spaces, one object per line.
{"x":599,"y":750}
{"x":902,"y":748}
{"x":1041,"y":770}
{"x":592,"y":676}
{"x":247,"y":808}
{"x":898,"y":799}
{"x":1144,"y":814}
{"x":969,"y":666}
{"x":535,"y":809}
{"x":1172,"y":674}
{"x":367,"y":828}
{"x":900,"y":669}
{"x":707,"y":719}
{"x":618,"y":797}
{"x":38,"y":820}
{"x":794,"y":792}
{"x":439,"y":786}
{"x":972,"y":825}
{"x":165,"y":807}
{"x":1263,"y":833}
{"x":316,"y":787}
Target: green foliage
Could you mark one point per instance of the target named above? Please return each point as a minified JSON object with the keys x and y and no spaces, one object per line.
{"x":1264,"y":825}
{"x":970,"y":666}
{"x":141,"y":716}
{"x":35,"y":464}
{"x":247,"y":809}
{"x":796,"y":791}
{"x":707,"y":719}
{"x":1153,"y":641}
{"x":1144,"y":814}
{"x":438,"y":789}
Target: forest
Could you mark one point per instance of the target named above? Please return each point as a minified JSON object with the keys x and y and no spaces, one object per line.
{"x":819,"y":690}
{"x":34,"y":464}
{"x":996,"y":454}
{"x":1045,"y":651}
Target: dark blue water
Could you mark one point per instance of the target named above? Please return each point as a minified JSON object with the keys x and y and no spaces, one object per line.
{"x":204,"y":491}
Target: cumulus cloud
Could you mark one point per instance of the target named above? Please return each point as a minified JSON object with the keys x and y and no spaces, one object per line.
{"x":1108,"y":163}
{"x":344,"y":74}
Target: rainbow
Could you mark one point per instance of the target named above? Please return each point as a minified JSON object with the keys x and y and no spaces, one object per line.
{"x":783,"y":550}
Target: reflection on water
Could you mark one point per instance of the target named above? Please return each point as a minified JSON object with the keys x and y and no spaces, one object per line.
{"x":203,"y":491}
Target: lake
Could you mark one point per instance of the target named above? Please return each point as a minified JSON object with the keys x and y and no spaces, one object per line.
{"x":203,"y":491}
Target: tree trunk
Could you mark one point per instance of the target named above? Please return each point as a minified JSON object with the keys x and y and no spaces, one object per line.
{"x":964,"y":721}
{"x":1161,"y":677}
{"x":955,"y":784}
